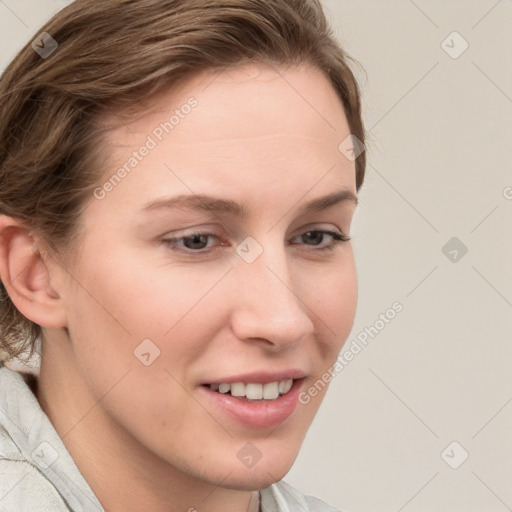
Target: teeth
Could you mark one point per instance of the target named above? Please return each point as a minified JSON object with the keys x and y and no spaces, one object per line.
{"x":287,"y":385}
{"x":253,"y":391}
{"x":271,"y":390}
{"x":238,"y":389}
{"x":223,"y":388}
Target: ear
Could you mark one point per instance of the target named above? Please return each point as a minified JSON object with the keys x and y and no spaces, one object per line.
{"x":26,"y":276}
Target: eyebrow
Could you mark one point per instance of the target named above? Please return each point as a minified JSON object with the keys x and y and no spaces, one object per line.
{"x":203,"y":202}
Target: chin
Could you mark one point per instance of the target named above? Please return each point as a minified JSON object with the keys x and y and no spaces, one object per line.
{"x":254,"y":479}
{"x":273,"y":465}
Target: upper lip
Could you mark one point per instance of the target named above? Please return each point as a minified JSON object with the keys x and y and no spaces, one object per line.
{"x":259,"y":377}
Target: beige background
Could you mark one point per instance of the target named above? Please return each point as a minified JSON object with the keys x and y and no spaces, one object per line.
{"x":439,"y":167}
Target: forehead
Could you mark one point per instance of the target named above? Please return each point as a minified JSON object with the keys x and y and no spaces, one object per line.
{"x":251,"y":99}
{"x":256,"y":127}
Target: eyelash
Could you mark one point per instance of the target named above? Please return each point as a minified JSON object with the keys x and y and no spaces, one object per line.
{"x":337,"y":238}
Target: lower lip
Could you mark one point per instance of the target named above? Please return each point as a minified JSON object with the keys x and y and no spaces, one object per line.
{"x":259,"y":414}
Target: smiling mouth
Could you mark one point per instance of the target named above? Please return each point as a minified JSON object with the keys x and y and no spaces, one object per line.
{"x":253,"y":391}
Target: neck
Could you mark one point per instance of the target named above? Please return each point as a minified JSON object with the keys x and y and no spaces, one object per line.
{"x":123,"y":474}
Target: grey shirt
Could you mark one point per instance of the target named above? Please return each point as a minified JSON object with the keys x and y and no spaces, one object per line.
{"x":37,"y":473}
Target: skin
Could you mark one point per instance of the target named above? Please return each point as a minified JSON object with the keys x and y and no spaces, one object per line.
{"x":253,"y":139}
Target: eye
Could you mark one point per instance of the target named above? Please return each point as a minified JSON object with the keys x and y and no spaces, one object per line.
{"x":315,"y":237}
{"x":193,"y":242}
{"x":200,"y":243}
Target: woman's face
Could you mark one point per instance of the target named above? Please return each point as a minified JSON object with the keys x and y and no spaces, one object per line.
{"x":209,"y":261}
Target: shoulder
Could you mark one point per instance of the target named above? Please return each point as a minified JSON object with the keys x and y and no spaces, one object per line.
{"x":23,"y":487}
{"x":37,"y":472}
{"x":282,"y":497}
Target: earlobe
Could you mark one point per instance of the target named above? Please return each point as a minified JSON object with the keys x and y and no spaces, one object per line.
{"x":26,"y":276}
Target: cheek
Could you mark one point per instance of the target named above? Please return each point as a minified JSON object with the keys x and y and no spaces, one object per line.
{"x":131,"y":295}
{"x":333,"y":302}
{"x":343,"y":297}
{"x":118,"y":320}
{"x":117,"y":303}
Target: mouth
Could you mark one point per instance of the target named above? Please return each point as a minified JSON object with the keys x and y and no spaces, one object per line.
{"x":253,"y":391}
{"x":252,"y":404}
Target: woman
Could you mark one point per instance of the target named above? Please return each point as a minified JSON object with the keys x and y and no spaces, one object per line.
{"x":178,"y":183}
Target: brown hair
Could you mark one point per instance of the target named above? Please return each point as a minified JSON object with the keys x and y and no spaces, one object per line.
{"x":111,"y":56}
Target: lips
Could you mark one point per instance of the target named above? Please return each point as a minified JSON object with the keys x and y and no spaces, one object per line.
{"x":259,"y":377}
{"x":258,"y":400}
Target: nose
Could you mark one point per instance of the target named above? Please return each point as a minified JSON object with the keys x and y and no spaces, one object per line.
{"x":268,"y":306}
